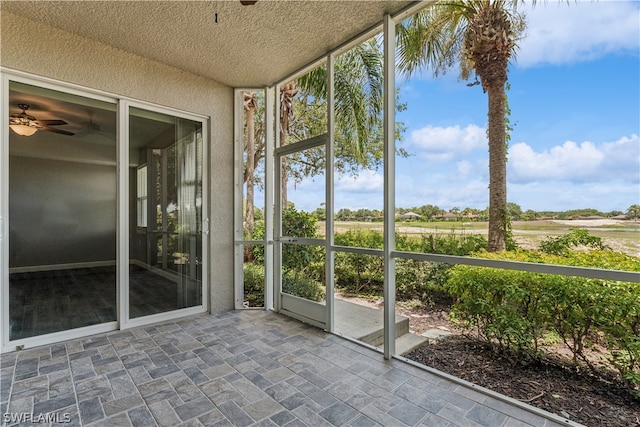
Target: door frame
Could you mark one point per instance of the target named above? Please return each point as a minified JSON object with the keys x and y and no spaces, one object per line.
{"x":318,"y":314}
{"x":122,"y":217}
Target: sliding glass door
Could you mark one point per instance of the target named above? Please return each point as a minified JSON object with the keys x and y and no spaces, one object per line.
{"x":166,"y":215}
{"x":104,"y":207}
{"x":62,"y":211}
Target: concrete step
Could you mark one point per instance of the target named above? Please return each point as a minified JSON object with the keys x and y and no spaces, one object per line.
{"x":408,"y":342}
{"x":364,"y":323}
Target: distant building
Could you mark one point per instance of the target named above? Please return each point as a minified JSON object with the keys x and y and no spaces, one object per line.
{"x":622,"y":217}
{"x":409,"y":216}
{"x":471,"y":217}
{"x":447,"y":216}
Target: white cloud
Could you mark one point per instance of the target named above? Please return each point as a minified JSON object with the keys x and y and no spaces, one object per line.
{"x":367,"y":181}
{"x":447,"y":143}
{"x":585,"y":162}
{"x":466,"y":170}
{"x":560,"y":33}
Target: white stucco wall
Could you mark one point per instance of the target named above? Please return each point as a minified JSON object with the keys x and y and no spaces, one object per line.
{"x":45,"y":51}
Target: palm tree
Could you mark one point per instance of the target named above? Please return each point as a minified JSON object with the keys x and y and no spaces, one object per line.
{"x":480,"y":36}
{"x":633,"y":212}
{"x":287,"y":96}
{"x":358,"y":106}
{"x":250,"y":102}
{"x":358,"y":97}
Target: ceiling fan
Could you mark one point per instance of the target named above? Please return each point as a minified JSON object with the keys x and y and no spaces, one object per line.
{"x":26,"y":125}
{"x":92,"y":127}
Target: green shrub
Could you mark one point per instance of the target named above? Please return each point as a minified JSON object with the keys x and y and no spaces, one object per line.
{"x":514,"y":310}
{"x":363,"y":274}
{"x":300,"y":284}
{"x":359,"y":274}
{"x":294,"y":224}
{"x":422,"y":280}
{"x":360,"y":238}
{"x":254,"y":284}
{"x":460,"y":244}
{"x":577,"y":237}
{"x":501,"y":306}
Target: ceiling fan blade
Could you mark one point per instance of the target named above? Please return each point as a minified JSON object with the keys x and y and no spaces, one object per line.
{"x":55,"y":122}
{"x":60,"y":131}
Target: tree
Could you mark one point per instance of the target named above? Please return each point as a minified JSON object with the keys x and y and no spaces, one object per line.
{"x":514,"y":211}
{"x":529,"y":215}
{"x":287,"y":95}
{"x":250,"y":103}
{"x":633,"y":212}
{"x":358,"y":102}
{"x":480,"y":36}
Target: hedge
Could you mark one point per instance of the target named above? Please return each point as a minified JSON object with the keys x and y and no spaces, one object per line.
{"x":513,"y":310}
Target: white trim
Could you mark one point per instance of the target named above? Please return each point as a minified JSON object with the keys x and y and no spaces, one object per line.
{"x":87,"y":92}
{"x":206,"y":214}
{"x":276,"y":178}
{"x":69,"y":266}
{"x":329,"y":199}
{"x":58,"y":85}
{"x":300,"y":72}
{"x":412,"y":9}
{"x":389,"y":188}
{"x":301,"y":241}
{"x":10,"y":75}
{"x":204,"y":289}
{"x":55,"y":337}
{"x":356,"y":40}
{"x":122,"y":252}
{"x":270,"y":132}
{"x":531,"y":267}
{"x":249,"y":242}
{"x":358,"y":250}
{"x":122,"y":105}
{"x":162,"y":317}
{"x":4,"y":213}
{"x":306,"y":144}
{"x":238,"y":197}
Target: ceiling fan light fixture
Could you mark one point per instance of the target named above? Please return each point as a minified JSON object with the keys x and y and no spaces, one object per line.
{"x":23,"y":124}
{"x":23,"y":130}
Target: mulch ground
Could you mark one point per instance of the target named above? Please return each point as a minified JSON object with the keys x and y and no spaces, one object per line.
{"x":561,"y":390}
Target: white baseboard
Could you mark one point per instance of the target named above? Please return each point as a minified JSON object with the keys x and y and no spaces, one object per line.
{"x":69,"y":266}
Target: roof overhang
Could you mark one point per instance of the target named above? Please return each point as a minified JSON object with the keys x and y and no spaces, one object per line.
{"x":239,"y":46}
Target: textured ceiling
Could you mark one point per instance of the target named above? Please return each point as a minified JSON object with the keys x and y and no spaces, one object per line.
{"x":249,"y":46}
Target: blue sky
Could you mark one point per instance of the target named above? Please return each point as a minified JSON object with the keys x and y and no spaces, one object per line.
{"x":575,"y":102}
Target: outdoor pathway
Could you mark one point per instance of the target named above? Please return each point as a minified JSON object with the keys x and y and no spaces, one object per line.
{"x":238,"y":368}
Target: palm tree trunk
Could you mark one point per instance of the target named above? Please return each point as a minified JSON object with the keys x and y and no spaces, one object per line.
{"x":249,"y":219}
{"x":498,"y":220}
{"x":287,"y":93}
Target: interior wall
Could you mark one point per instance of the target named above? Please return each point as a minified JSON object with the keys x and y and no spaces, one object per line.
{"x":36,"y":48}
{"x":61,"y":218}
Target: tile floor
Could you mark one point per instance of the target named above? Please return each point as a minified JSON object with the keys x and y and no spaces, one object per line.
{"x":43,"y":302}
{"x":239,"y":368}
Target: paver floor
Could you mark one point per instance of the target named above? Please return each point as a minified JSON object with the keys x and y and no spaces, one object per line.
{"x":238,"y":368}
